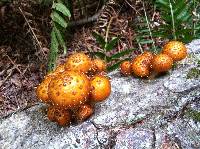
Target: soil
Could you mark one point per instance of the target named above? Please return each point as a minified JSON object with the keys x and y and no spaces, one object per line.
{"x":22,"y":57}
{"x":25,"y":40}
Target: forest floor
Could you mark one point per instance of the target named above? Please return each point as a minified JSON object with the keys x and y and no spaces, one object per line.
{"x":24,"y":47}
{"x":24,"y":41}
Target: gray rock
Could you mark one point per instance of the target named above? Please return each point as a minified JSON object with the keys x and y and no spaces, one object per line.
{"x":138,"y":114}
{"x":134,"y":138}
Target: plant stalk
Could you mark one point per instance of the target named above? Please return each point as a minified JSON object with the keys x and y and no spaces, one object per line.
{"x":173,"y":22}
{"x":194,"y":21}
{"x":106,"y":38}
{"x":149,"y":28}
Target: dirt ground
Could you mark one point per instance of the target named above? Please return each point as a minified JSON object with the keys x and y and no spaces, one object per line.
{"x":24,"y":46}
{"x":22,"y":57}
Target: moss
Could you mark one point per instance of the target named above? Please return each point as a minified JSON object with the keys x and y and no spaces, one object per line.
{"x":193,"y":73}
{"x":194,"y":114}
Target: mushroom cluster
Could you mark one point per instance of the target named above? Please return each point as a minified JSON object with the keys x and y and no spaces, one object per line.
{"x":72,"y":90}
{"x":147,"y":62}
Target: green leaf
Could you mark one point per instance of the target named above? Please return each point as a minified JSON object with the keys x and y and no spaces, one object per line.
{"x":58,"y":19}
{"x":180,"y":7}
{"x":163,"y":4}
{"x":53,"y":51}
{"x":62,"y":8}
{"x":143,"y":31}
{"x":100,"y":55}
{"x":183,"y":16}
{"x":110,"y":46}
{"x":100,"y":40}
{"x":116,"y":65}
{"x":146,"y":41}
{"x":122,"y":53}
{"x":60,"y":39}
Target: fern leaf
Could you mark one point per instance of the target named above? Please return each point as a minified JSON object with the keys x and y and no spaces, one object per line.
{"x":99,"y":39}
{"x":60,"y":39}
{"x":58,"y":19}
{"x":100,"y":55}
{"x":62,"y":8}
{"x":116,"y":65}
{"x":110,"y":46}
{"x":146,"y":41}
{"x":122,"y":53}
{"x":53,"y":51}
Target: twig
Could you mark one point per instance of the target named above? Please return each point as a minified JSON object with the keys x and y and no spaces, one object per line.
{"x":32,"y":32}
{"x":7,"y":77}
{"x":132,"y":7}
{"x":16,"y":67}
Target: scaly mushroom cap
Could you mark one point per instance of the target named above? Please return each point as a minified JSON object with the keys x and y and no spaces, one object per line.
{"x":125,"y":68}
{"x":84,"y":112}
{"x":69,"y":89}
{"x":51,"y":113}
{"x":59,"y":115}
{"x":141,"y":66}
{"x":100,"y":88}
{"x":60,"y":68}
{"x":148,"y":57}
{"x":42,"y":88}
{"x":98,"y":65}
{"x":162,"y":63}
{"x":78,"y":62}
{"x":176,"y":50}
{"x":63,"y":117}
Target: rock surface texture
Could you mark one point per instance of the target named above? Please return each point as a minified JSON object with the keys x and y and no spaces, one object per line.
{"x":149,"y":114}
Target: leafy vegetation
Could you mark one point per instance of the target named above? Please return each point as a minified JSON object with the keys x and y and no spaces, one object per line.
{"x":108,"y":46}
{"x":145,"y":32}
{"x":60,"y":16}
{"x":180,"y":21}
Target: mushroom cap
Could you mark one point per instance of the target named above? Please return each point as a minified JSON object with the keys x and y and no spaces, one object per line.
{"x":84,"y":112}
{"x":141,"y":66}
{"x":69,"y":89}
{"x":42,"y":88}
{"x":59,"y":115}
{"x":148,"y":57}
{"x":51,"y":113}
{"x":100,"y":88}
{"x":99,"y":65}
{"x":162,"y":63}
{"x":60,"y":68}
{"x":63,"y":117}
{"x":176,"y":50}
{"x":125,"y":68}
{"x":78,"y":62}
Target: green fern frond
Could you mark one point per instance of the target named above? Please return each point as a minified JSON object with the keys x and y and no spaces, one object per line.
{"x":62,"y":8}
{"x":177,"y":15}
{"x":53,"y":51}
{"x":108,"y":46}
{"x":60,"y":16}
